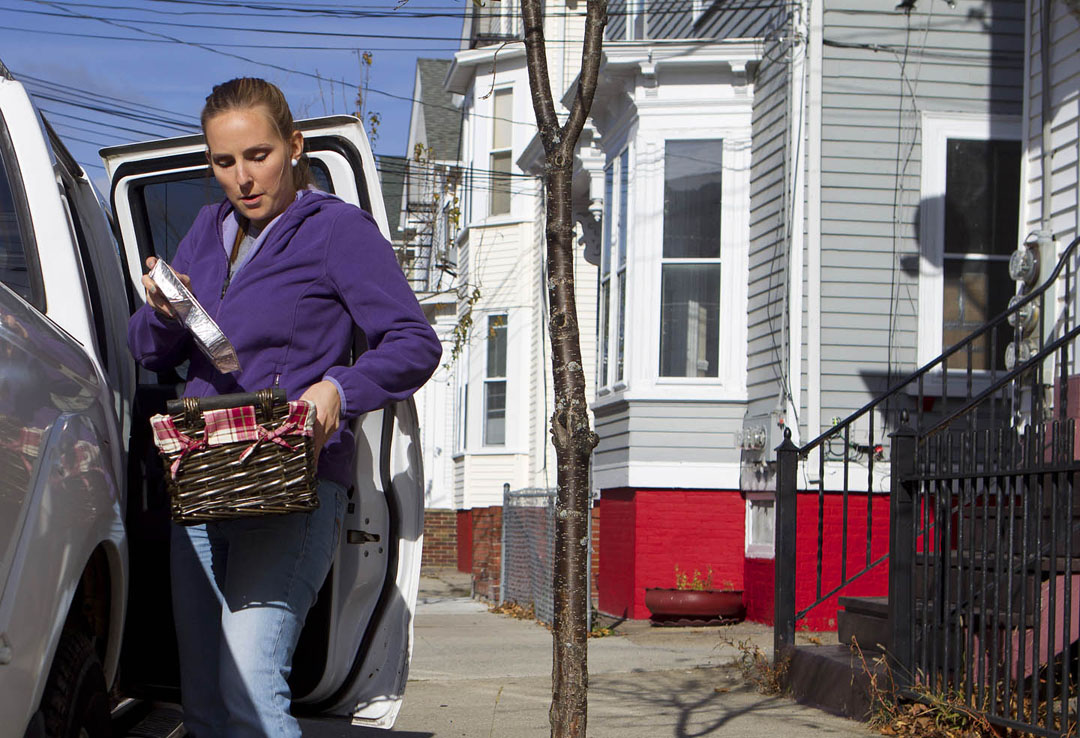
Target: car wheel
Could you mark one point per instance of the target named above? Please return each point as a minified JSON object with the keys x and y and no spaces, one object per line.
{"x":76,"y":702}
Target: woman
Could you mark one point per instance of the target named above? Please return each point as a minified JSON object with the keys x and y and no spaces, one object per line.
{"x":287,"y":272}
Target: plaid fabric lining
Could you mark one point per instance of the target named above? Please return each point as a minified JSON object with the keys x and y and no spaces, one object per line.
{"x":232,"y":425}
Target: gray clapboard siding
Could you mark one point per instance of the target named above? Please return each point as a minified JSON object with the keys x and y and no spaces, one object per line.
{"x":964,"y":63}
{"x":1065,"y":123}
{"x":670,"y":432}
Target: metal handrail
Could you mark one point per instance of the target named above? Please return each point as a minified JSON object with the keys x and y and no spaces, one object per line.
{"x":945,"y":355}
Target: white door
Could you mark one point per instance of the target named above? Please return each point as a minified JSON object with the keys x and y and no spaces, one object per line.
{"x":353,"y":655}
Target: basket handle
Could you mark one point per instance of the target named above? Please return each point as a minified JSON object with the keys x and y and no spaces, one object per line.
{"x":194,"y":406}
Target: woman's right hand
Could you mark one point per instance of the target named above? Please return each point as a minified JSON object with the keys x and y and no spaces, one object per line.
{"x":153,"y":294}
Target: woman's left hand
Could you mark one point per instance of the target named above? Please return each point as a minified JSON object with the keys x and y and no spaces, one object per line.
{"x":327,"y":402}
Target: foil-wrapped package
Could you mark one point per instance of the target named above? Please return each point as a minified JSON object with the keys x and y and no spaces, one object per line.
{"x":207,"y":335}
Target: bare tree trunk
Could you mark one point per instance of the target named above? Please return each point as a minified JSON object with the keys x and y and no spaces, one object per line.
{"x":571,"y":434}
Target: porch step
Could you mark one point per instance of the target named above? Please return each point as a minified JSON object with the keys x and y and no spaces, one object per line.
{"x":866,"y":619}
{"x":833,"y":678}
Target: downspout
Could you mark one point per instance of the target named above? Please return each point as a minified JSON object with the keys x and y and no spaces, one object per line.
{"x":813,"y":223}
{"x":1047,"y":118}
{"x":791,"y":393}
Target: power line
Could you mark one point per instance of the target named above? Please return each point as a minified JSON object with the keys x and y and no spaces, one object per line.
{"x":269,"y":65}
{"x":281,"y":47}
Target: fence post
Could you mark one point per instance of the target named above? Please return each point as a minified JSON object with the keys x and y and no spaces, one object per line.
{"x":502,"y":543}
{"x":902,"y":553}
{"x":787,"y":465}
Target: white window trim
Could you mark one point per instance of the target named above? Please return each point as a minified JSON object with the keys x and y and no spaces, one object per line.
{"x":461,"y":403}
{"x":611,"y":233}
{"x":488,"y":379}
{"x":509,"y":150}
{"x":644,"y":292}
{"x":759,"y":550}
{"x":937,"y":129}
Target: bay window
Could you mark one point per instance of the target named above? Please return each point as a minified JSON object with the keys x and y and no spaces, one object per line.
{"x":495,"y":382}
{"x":501,"y":129}
{"x":690,"y":264}
{"x":611,"y":328}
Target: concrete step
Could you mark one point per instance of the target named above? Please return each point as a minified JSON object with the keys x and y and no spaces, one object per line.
{"x":834,"y":679}
{"x":871,"y":632}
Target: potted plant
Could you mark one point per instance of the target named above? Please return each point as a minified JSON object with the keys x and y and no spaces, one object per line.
{"x":694,"y":601}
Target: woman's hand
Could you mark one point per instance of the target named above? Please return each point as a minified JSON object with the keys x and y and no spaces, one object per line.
{"x":327,"y":402}
{"x":153,"y":294}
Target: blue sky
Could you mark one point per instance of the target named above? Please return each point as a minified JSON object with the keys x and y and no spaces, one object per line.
{"x":134,"y":68}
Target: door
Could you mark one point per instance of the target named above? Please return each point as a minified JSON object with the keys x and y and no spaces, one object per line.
{"x":353,"y":655}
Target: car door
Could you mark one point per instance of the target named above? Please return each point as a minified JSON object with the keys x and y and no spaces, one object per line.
{"x":352,"y":659}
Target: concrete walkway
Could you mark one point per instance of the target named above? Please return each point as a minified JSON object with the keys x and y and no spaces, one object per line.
{"x":479,"y":674}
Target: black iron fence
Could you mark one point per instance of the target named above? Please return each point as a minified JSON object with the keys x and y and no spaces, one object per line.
{"x":972,"y":467}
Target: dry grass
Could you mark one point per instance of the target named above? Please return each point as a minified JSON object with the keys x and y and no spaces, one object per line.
{"x":757,"y":669}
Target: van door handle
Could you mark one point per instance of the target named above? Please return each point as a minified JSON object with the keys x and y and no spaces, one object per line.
{"x":361,"y":536}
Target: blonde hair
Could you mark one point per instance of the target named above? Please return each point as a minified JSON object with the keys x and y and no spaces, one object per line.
{"x":244,"y":93}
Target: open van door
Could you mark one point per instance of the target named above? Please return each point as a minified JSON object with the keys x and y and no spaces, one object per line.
{"x":353,"y":655}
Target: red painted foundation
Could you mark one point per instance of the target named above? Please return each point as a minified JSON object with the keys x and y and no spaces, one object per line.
{"x":646,"y":533}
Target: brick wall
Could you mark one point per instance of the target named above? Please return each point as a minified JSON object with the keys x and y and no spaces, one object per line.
{"x":440,"y":539}
{"x":647,"y":533}
{"x":615,"y":580}
{"x":464,"y":541}
{"x":486,"y":551}
{"x":874,"y":583}
{"x":758,"y":590}
{"x":478,"y":534}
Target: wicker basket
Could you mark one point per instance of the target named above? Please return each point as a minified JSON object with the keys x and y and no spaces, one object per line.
{"x":241,"y":478}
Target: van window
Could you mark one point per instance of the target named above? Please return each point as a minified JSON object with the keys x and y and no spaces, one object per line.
{"x":18,"y":267}
{"x":172,"y":204}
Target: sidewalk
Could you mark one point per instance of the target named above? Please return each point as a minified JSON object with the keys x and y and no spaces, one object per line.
{"x":478,"y":674}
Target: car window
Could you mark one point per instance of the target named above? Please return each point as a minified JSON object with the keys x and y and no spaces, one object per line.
{"x":18,"y":265}
{"x":171,"y":205}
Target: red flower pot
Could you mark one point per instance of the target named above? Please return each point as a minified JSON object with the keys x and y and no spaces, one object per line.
{"x":667,"y":604}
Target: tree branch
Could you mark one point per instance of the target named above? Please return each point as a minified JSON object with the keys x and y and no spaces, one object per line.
{"x":536,"y":59}
{"x":595,"y":20}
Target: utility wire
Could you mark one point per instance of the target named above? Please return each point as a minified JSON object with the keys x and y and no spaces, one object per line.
{"x":279,"y":67}
{"x":266,"y":47}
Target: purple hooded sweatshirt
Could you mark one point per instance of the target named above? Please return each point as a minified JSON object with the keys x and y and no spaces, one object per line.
{"x":290,"y":313}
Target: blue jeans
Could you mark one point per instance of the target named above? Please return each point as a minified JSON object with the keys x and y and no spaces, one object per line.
{"x":241,"y":590}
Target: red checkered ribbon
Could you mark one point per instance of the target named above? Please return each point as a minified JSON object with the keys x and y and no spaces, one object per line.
{"x":169,"y":440}
{"x":233,"y":425}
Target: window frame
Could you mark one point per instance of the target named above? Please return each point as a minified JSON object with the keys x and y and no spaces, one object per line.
{"x":9,"y":166}
{"x":691,"y":261}
{"x":759,"y":549}
{"x":507,"y":151}
{"x":937,"y":129}
{"x":612,"y":280}
{"x":490,"y":380}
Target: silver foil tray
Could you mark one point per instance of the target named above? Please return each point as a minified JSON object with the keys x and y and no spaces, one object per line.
{"x":208,"y":336}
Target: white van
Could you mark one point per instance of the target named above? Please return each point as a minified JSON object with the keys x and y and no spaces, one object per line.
{"x":87,"y":646}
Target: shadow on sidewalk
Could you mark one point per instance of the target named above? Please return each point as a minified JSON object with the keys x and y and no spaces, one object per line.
{"x":702,"y":702}
{"x":330,"y":728}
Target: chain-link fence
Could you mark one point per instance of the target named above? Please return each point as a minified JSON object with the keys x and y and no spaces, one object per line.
{"x":528,"y":549}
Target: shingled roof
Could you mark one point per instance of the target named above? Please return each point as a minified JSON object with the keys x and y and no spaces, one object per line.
{"x":392,"y":177}
{"x":442,"y":121}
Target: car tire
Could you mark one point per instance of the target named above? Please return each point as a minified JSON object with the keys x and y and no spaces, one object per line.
{"x":75,"y":703}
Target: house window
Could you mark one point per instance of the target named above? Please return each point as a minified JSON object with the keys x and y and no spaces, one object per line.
{"x":690,"y":269}
{"x":461,"y":424}
{"x":495,"y":382}
{"x":982,"y":199}
{"x":612,"y":323}
{"x":501,"y":152}
{"x":969,"y":225}
{"x":760,"y":525}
